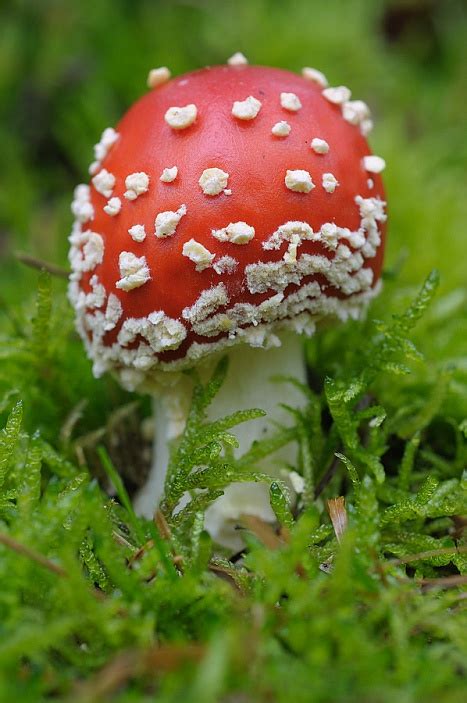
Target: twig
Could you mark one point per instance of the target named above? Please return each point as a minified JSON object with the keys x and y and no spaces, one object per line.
{"x":425,"y":555}
{"x":327,"y":477}
{"x":443,"y":582}
{"x":39,"y":558}
{"x":161,"y":533}
{"x":162,"y":525}
{"x":138,"y":553}
{"x":89,"y":440}
{"x":35,"y":263}
{"x":226,"y":573}
{"x":119,"y":539}
{"x":120,"y":414}
{"x":135,"y":663}
{"x":263,"y":531}
{"x":71,"y":419}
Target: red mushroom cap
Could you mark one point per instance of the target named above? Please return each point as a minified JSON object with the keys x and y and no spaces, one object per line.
{"x":228,"y":204}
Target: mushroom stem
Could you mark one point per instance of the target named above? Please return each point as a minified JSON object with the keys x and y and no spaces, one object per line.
{"x":170,"y":412}
{"x":247,"y":385}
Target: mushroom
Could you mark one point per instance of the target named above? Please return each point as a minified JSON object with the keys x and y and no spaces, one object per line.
{"x":245,"y":243}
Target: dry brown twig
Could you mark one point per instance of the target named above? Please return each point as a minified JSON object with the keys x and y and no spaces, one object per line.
{"x":71,"y":420}
{"x":35,"y":263}
{"x":264,"y":532}
{"x":443,"y":582}
{"x":135,"y":663}
{"x":29,"y":553}
{"x":425,"y":555}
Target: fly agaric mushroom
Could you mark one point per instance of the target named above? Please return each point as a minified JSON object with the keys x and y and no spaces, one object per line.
{"x":231,"y":210}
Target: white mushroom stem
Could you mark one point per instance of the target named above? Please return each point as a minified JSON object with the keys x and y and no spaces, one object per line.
{"x":248,"y":385}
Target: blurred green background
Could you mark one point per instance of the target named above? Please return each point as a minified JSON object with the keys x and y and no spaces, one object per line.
{"x":69,"y":69}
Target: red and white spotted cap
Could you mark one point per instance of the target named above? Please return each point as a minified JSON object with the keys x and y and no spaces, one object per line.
{"x":228,"y":204}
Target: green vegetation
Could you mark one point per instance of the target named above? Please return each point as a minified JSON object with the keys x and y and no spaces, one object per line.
{"x":97,"y":604}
